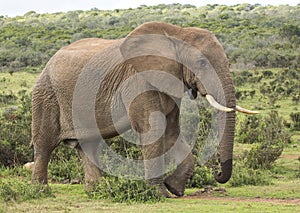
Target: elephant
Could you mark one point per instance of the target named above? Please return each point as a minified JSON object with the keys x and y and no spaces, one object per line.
{"x":174,"y":51}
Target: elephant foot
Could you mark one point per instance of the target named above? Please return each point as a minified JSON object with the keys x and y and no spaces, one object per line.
{"x":176,"y":182}
{"x":175,"y":186}
{"x":162,"y":190}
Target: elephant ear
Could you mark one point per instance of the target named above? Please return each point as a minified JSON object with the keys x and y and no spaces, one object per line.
{"x":150,"y":47}
{"x":149,"y":39}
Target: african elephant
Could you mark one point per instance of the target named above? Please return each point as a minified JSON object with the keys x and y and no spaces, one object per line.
{"x":152,"y":46}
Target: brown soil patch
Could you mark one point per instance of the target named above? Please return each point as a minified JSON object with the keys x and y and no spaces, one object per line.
{"x":234,"y":199}
{"x":292,"y":157}
{"x":220,"y":194}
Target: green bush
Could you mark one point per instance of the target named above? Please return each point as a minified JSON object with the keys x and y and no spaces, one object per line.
{"x":243,"y":175}
{"x":15,"y":134}
{"x":249,"y":130}
{"x":264,"y":155}
{"x":125,"y":191}
{"x":269,"y":136}
{"x":267,"y":73}
{"x":203,"y":176}
{"x":65,"y":165}
{"x":127,"y":149}
{"x":18,"y":191}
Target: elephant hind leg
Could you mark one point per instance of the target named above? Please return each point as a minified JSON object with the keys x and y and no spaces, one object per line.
{"x":92,"y":172}
{"x":45,"y":129}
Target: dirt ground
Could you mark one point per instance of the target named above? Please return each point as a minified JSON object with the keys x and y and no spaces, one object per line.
{"x":270,"y":200}
{"x":208,"y":194}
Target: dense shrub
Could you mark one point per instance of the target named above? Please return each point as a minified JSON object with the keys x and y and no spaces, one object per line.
{"x":203,"y":149}
{"x":125,"y":191}
{"x":269,"y":137}
{"x":203,"y":176}
{"x":15,"y":134}
{"x":264,"y":155}
{"x":249,"y":130}
{"x":289,"y":31}
{"x":243,"y":175}
{"x":267,"y":73}
{"x":65,"y":165}
{"x":267,"y":134}
{"x":126,"y":145}
{"x":256,"y":129}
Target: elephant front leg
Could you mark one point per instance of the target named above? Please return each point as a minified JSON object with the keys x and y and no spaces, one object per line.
{"x":155,"y":165}
{"x":176,"y":182}
{"x":180,"y":153}
{"x":150,"y":124}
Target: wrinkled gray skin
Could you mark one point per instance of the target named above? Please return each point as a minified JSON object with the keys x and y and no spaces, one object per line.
{"x":53,"y":93}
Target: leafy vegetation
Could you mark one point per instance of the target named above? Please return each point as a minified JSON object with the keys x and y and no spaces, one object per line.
{"x":15,"y":132}
{"x":128,"y":191}
{"x":273,"y":139}
{"x":65,"y":166}
{"x":243,"y":175}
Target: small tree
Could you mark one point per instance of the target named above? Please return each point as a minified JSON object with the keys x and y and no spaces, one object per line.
{"x":273,"y":137}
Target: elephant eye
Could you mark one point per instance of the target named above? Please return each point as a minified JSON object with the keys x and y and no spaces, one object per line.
{"x":203,"y":62}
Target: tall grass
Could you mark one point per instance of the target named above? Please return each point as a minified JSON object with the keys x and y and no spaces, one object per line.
{"x":18,"y":190}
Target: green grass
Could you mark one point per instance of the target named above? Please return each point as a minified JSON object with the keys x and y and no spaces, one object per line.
{"x":72,"y":198}
{"x":285,"y":104}
{"x":280,"y":189}
{"x":17,"y":81}
{"x":14,"y":85}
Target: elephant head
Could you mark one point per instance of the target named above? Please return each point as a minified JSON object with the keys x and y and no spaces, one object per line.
{"x":196,"y":57}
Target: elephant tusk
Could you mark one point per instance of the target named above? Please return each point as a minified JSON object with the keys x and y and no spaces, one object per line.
{"x":247,"y":111}
{"x":216,"y":105}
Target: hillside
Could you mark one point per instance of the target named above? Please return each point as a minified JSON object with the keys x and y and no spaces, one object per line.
{"x":253,"y":35}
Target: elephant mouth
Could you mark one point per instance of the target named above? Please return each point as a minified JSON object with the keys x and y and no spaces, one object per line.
{"x":193,"y":94}
{"x":222,"y":108}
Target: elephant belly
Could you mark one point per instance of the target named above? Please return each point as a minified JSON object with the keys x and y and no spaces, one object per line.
{"x":109,"y":127}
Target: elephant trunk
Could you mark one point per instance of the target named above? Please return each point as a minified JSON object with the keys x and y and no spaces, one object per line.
{"x":223,"y":92}
{"x":226,"y":149}
{"x":226,"y":130}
